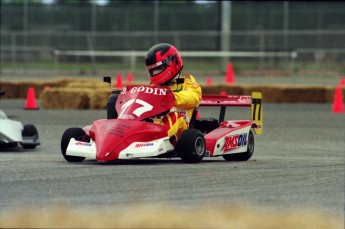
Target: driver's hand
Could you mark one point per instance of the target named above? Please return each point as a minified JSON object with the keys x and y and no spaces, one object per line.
{"x":173,"y":109}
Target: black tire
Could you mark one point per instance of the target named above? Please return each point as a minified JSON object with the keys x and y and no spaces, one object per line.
{"x":191,"y":146}
{"x":9,"y":145}
{"x":243,"y":156}
{"x":30,"y":131}
{"x":111,"y":102}
{"x":76,"y":133}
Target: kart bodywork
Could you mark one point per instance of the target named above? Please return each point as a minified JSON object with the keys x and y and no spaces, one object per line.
{"x":134,"y":133}
{"x":13,"y":132}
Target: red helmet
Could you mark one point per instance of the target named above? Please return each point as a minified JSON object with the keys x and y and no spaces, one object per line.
{"x":163,"y":62}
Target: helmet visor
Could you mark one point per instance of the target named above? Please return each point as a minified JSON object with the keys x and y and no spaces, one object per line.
{"x":159,"y":67}
{"x":156,"y":70}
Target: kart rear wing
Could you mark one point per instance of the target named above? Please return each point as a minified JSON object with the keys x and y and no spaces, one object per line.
{"x":254,"y":102}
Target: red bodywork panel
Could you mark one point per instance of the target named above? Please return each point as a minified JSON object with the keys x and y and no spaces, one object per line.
{"x":134,"y":104}
{"x":114,"y":135}
{"x":141,"y":102}
{"x":223,"y":130}
{"x":224,"y":100}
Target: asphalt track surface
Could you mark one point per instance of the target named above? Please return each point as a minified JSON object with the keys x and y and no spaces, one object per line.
{"x":298,"y":163}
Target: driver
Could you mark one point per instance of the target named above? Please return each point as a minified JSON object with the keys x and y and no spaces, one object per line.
{"x":164,"y":64}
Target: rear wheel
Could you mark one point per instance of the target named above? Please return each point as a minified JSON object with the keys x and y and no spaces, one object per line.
{"x":77,"y":134}
{"x":191,"y":146}
{"x":243,"y":156}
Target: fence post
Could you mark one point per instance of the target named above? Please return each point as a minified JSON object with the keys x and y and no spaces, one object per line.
{"x":294,"y":55}
{"x":13,"y":51}
{"x":262,"y":49}
{"x":56,"y":61}
{"x":132,"y":61}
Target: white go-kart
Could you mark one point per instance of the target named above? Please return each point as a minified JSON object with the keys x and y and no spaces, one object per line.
{"x":14,"y":133}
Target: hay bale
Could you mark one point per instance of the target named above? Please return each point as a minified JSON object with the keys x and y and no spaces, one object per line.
{"x":150,"y":216}
{"x":271,"y":94}
{"x":65,"y":82}
{"x":65,"y":98}
{"x":18,"y":90}
{"x":304,"y":94}
{"x":15,"y":90}
{"x":24,"y":86}
{"x":329,"y":94}
{"x":87,"y":84}
{"x":230,"y":89}
{"x":97,"y":92}
{"x":98,"y":98}
{"x":289,"y":93}
{"x":11,"y":89}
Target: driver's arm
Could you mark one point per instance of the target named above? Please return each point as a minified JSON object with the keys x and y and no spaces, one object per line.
{"x":190,"y":95}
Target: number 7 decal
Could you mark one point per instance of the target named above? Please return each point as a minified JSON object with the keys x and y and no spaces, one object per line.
{"x":256,"y":111}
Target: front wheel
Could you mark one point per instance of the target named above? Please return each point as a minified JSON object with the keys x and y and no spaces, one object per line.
{"x":30,"y":132}
{"x":191,"y":146}
{"x":77,"y":134}
{"x":243,"y":156}
{"x":111,"y":102}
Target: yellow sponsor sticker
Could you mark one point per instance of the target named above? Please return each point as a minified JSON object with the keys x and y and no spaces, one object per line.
{"x":256,"y":112}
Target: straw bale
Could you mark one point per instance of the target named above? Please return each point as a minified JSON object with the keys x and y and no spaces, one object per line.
{"x":230,"y":89}
{"x":65,"y":98}
{"x":153,"y":216}
{"x":304,"y":94}
{"x":270,"y":93}
{"x":87,"y":84}
{"x":24,"y":86}
{"x":18,"y":90}
{"x":98,"y":98}
{"x":329,"y":91}
{"x":10,"y":89}
{"x":15,"y":90}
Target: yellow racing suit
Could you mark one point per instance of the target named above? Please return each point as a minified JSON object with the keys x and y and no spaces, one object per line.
{"x":187,"y":98}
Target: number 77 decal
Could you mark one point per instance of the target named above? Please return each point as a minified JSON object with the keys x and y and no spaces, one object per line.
{"x":140,"y":110}
{"x":256,"y":112}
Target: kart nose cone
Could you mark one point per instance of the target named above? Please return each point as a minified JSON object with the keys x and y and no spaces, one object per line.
{"x":112,"y":136}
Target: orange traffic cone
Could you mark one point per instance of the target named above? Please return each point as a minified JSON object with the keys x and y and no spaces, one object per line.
{"x":338,"y":104}
{"x":130,"y":77}
{"x":119,"y":83}
{"x":230,"y":76}
{"x":223,"y":92}
{"x":31,"y":103}
{"x":342,"y":82}
{"x":208,"y":81}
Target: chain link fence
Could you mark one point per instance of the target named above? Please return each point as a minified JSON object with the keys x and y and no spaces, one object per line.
{"x":314,"y":32}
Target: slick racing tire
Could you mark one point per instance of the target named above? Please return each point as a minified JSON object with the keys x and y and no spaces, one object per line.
{"x":111,"y":111}
{"x":243,"y":156}
{"x":30,"y":131}
{"x":191,"y":146}
{"x":76,"y":133}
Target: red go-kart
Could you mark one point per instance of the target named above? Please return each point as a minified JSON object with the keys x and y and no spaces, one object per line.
{"x":133,"y":133}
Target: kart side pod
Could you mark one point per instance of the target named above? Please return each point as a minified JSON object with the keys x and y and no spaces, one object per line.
{"x":234,"y":139}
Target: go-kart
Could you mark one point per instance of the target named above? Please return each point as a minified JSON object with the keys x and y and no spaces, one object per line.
{"x":13,"y":133}
{"x":133,"y":133}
